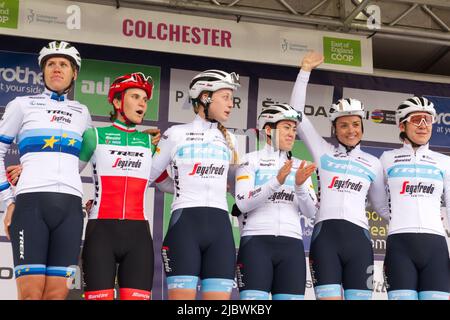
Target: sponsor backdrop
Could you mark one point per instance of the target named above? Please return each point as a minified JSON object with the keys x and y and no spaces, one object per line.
{"x":264,"y":80}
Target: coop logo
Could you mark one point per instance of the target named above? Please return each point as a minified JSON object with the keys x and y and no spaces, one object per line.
{"x":413,"y":189}
{"x":207,"y":170}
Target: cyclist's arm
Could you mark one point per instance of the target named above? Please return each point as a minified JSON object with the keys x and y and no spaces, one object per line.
{"x":378,"y":194}
{"x":249,"y":196}
{"x":163,"y":156}
{"x":231,"y":176}
{"x":305,"y":130}
{"x":307,"y":199}
{"x":88,"y":146}
{"x":10,"y":125}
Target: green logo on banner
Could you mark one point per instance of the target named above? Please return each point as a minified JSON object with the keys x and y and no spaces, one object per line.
{"x":342,"y":51}
{"x":9,"y":13}
{"x":95,"y":78}
{"x":168,"y":198}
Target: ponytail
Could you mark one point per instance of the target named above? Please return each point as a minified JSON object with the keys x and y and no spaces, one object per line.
{"x":226,"y":135}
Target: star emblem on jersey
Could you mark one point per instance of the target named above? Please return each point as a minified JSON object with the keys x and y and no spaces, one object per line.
{"x":50,"y":142}
{"x":72,"y":142}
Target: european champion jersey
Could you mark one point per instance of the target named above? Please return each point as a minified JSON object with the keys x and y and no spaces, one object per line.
{"x":48,"y":130}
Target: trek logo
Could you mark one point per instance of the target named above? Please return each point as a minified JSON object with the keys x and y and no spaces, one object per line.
{"x":127,"y":153}
{"x":22,"y":244}
{"x":413,"y":189}
{"x":344,"y":184}
{"x":60,"y":116}
{"x":207,"y":170}
{"x":282,"y":195}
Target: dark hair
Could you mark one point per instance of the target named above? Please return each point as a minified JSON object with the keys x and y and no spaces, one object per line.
{"x":113,"y":114}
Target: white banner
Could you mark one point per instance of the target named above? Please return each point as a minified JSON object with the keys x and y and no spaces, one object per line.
{"x":318,"y":101}
{"x":201,"y":36}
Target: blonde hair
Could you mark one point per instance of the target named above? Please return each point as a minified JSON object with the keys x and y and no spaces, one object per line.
{"x":226,"y":135}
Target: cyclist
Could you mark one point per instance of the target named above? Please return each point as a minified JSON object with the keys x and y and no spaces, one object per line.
{"x":118,"y":231}
{"x":416,"y":264}
{"x":199,"y":242}
{"x":271,"y":189}
{"x":45,"y":220}
{"x":341,"y":255}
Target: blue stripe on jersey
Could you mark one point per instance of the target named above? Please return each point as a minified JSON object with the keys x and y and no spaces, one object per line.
{"x":262,"y":176}
{"x":415,"y":171}
{"x":203,"y":151}
{"x":49,"y":133}
{"x":4,"y":186}
{"x":346,"y":167}
{"x":6,"y":139}
{"x":37,"y":144}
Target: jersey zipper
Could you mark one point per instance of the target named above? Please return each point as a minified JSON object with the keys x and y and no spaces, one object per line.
{"x":126,"y":179}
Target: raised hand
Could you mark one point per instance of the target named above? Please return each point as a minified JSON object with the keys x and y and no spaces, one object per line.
{"x":311,"y":60}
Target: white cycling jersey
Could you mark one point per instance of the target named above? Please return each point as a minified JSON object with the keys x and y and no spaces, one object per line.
{"x":268,"y":207}
{"x":199,"y":160}
{"x":417,"y":180}
{"x":345,"y":178}
{"x":48,"y":130}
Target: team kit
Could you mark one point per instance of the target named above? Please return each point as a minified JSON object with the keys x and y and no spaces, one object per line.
{"x":199,"y":163}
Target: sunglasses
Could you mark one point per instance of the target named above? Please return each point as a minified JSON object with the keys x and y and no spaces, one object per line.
{"x":418,"y":119}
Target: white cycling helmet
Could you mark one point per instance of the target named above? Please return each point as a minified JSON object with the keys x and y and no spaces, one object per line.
{"x":277,"y":112}
{"x":60,"y":48}
{"x":346,"y":107}
{"x":212,"y":80}
{"x":414,"y":104}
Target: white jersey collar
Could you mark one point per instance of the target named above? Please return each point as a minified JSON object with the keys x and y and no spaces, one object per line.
{"x":199,"y":122}
{"x":54,"y":96}
{"x":410,"y":149}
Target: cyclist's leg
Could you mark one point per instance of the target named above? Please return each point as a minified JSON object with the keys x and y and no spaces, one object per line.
{"x":357,"y":257}
{"x":99,"y":261}
{"x":400,"y":271}
{"x":181,"y":256}
{"x":254,"y":269}
{"x":289,"y":279}
{"x":64,"y":216}
{"x":136,"y":268}
{"x":29,"y":240}
{"x":324,"y":262}
{"x":434,"y":276}
{"x":218,"y":256}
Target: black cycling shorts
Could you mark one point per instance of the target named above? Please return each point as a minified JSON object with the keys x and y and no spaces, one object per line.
{"x":126,"y":243}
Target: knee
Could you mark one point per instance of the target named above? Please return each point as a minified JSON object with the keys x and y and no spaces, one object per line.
{"x":36,"y":293}
{"x":55,"y":294}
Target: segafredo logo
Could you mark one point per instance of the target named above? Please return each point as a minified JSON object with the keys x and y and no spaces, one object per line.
{"x":414,"y":189}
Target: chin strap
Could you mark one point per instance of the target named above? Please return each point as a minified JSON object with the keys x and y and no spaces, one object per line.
{"x":348,"y":148}
{"x":205,"y":103}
